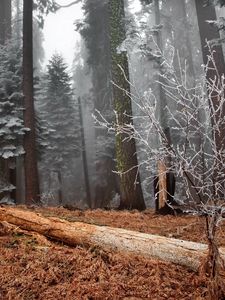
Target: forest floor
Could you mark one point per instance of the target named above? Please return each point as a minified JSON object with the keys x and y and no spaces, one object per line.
{"x":32,"y":267}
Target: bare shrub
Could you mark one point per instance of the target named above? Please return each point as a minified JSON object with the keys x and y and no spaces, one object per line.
{"x":194,"y":150}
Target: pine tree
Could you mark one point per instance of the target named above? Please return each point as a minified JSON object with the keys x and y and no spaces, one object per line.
{"x":12,"y":128}
{"x":58,"y":107}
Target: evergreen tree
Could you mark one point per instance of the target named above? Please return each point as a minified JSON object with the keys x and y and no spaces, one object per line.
{"x":58,"y":107}
{"x":95,"y":31}
{"x":12,"y":127}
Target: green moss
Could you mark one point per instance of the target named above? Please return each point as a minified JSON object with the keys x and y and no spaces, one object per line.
{"x":121,"y":100}
{"x":125,"y":151}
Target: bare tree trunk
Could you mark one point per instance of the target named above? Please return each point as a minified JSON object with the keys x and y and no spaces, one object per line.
{"x":12,"y":178}
{"x":84,"y":158}
{"x":18,"y":21}
{"x":30,"y":161}
{"x":180,"y":38}
{"x":5,"y":20}
{"x":126,"y":156}
{"x":60,"y":196}
{"x":2,"y":23}
{"x":189,"y":254}
{"x":20,"y":180}
{"x":163,"y":177}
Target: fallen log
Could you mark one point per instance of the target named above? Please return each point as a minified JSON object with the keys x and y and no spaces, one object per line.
{"x":180,"y":252}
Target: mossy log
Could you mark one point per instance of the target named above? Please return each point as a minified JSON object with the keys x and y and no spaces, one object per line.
{"x":188,"y":254}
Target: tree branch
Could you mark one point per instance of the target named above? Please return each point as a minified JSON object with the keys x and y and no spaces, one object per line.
{"x":67,"y":5}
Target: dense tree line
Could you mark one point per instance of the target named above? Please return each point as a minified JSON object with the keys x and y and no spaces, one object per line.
{"x":107,"y":58}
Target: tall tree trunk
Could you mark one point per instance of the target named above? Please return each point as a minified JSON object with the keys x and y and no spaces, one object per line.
{"x":18,"y":22}
{"x":60,"y":195}
{"x":162,"y":181}
{"x":207,"y":33}
{"x":126,"y":157}
{"x":12,"y":178}
{"x":20,"y":180}
{"x":84,"y":158}
{"x":180,"y":38}
{"x":2,"y":23}
{"x":101,"y":76}
{"x":30,"y":162}
{"x":5,"y":20}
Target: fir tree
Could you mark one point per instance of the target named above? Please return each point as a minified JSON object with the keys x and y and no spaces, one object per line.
{"x":12,"y":127}
{"x":57,"y":106}
{"x":95,"y":31}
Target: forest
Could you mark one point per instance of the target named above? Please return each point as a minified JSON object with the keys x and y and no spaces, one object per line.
{"x":112,"y":152}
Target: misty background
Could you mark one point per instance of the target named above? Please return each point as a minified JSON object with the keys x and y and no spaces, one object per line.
{"x":79,"y":34}
{"x":72,"y":65}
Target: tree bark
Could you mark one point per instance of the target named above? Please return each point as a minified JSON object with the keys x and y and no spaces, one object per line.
{"x":126,"y":156}
{"x":105,"y":184}
{"x":163,"y":166}
{"x":18,"y":22}
{"x":184,"y":253}
{"x":30,"y":161}
{"x":84,"y":157}
{"x":5,"y":20}
{"x":60,"y":194}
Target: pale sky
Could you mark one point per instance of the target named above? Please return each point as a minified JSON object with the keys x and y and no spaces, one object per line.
{"x":59,"y":32}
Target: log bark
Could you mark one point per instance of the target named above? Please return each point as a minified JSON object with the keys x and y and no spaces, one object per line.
{"x":184,"y":253}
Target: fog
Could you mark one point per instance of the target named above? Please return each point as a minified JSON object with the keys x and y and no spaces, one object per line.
{"x":72,"y":60}
{"x":59,"y":32}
